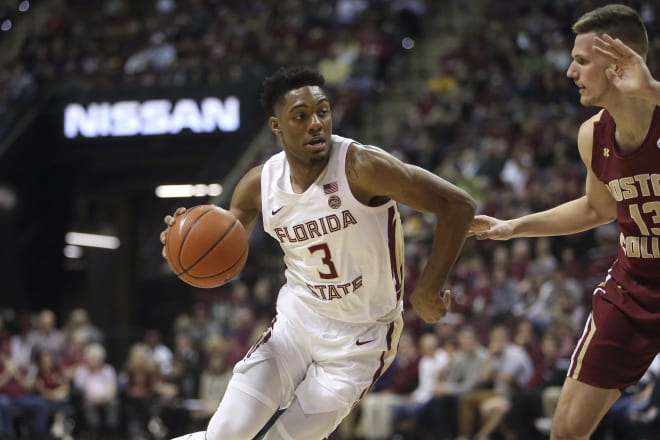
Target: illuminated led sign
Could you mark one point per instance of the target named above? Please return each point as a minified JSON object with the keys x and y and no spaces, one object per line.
{"x":152,"y":117}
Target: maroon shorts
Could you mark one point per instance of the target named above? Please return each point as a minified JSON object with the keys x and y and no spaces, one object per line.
{"x":620,"y":339}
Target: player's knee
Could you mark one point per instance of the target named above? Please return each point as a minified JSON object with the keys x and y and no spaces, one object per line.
{"x":567,"y":427}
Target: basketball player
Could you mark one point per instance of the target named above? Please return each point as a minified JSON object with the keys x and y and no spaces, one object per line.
{"x":620,"y":146}
{"x":331,"y":204}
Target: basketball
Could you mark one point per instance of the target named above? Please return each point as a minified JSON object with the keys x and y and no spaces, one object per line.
{"x":206,"y":246}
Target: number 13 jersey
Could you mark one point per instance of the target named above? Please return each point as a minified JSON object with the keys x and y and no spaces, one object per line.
{"x":344,"y":260}
{"x":634,"y":182}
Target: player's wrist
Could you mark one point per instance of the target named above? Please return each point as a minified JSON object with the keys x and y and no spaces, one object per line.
{"x":653,"y":91}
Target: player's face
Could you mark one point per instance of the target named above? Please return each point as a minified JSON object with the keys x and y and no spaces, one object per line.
{"x":588,"y":71}
{"x":303,"y":122}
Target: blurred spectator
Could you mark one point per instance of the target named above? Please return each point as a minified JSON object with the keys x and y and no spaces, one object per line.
{"x":53,"y":385}
{"x":159,"y":352}
{"x":507,"y":369}
{"x":203,"y":324}
{"x":74,"y":354}
{"x":21,"y":345}
{"x":97,"y":383}
{"x":533,"y":405}
{"x":432,"y":369}
{"x":79,"y":322}
{"x":45,"y":336}
{"x":141,"y":389}
{"x":212,"y":385}
{"x":16,"y":398}
{"x":505,"y":295}
{"x":438,"y":418}
{"x":186,"y":366}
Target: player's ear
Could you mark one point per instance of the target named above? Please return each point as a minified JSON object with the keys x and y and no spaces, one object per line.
{"x":275,"y":126}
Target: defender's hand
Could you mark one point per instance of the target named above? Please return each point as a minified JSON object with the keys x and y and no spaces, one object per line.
{"x":628,"y":72}
{"x":485,"y":227}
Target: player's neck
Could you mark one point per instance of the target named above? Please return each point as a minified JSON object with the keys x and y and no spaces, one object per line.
{"x":302,"y":177}
{"x":633,"y":120}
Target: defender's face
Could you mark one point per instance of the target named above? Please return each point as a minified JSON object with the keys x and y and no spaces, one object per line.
{"x":303,"y":122}
{"x":587,"y":70}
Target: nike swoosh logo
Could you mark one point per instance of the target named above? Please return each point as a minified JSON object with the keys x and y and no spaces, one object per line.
{"x":275,"y":211}
{"x":358,"y":342}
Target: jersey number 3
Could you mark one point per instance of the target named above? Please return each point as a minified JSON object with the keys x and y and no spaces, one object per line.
{"x":326,"y":260}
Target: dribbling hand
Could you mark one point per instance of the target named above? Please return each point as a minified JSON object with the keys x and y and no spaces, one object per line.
{"x":430,"y":307}
{"x":484,"y":227}
{"x":169,"y":221}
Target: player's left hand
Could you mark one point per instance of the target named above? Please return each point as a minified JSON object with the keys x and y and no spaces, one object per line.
{"x":431,"y":307}
{"x":169,"y":221}
{"x":628,"y":72}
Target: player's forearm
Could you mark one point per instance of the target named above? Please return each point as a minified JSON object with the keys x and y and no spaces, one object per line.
{"x":569,"y":218}
{"x":450,"y":231}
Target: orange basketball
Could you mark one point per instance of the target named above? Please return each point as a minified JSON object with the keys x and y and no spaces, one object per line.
{"x":206,"y":246}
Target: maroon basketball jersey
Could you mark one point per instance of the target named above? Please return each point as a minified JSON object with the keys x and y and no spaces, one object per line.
{"x":634,"y":182}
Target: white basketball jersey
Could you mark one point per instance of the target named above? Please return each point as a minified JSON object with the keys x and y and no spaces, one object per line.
{"x":344,"y":260}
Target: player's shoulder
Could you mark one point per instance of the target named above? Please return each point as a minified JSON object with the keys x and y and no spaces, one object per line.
{"x":366,"y":155}
{"x":588,"y":125}
{"x":255,"y":171}
{"x":252,"y":178}
{"x":585,"y":136}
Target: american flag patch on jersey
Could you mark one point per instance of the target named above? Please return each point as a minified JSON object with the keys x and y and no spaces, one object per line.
{"x":329,"y":188}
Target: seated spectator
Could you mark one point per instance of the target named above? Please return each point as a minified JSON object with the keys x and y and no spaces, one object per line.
{"x":159,"y":352}
{"x":507,"y":368}
{"x":185,"y":366}
{"x":212,"y":385}
{"x":16,"y":398}
{"x":534,"y":405}
{"x":141,"y":389}
{"x":79,"y":322}
{"x":53,"y":385}
{"x":438,"y":418}
{"x":383,"y":413}
{"x":46,"y":336}
{"x":21,"y":345}
{"x":96,"y":381}
{"x":74,"y":354}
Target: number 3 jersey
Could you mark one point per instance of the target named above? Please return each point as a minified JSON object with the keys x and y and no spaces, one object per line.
{"x":634,"y":182}
{"x":344,"y":260}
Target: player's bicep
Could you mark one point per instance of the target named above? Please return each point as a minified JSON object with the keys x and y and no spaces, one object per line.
{"x":599,"y":199}
{"x":246,"y":199}
{"x":409,"y":184}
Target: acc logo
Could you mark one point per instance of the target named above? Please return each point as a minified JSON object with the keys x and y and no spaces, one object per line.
{"x":334,"y":202}
{"x":606,"y":152}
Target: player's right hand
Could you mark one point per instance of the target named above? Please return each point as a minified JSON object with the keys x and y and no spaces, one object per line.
{"x":169,"y":221}
{"x":484,"y":227}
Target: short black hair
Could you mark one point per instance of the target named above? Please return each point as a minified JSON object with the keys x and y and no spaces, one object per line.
{"x":285,"y":79}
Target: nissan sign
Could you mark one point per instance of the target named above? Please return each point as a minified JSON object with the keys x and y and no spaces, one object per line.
{"x":151,"y":117}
